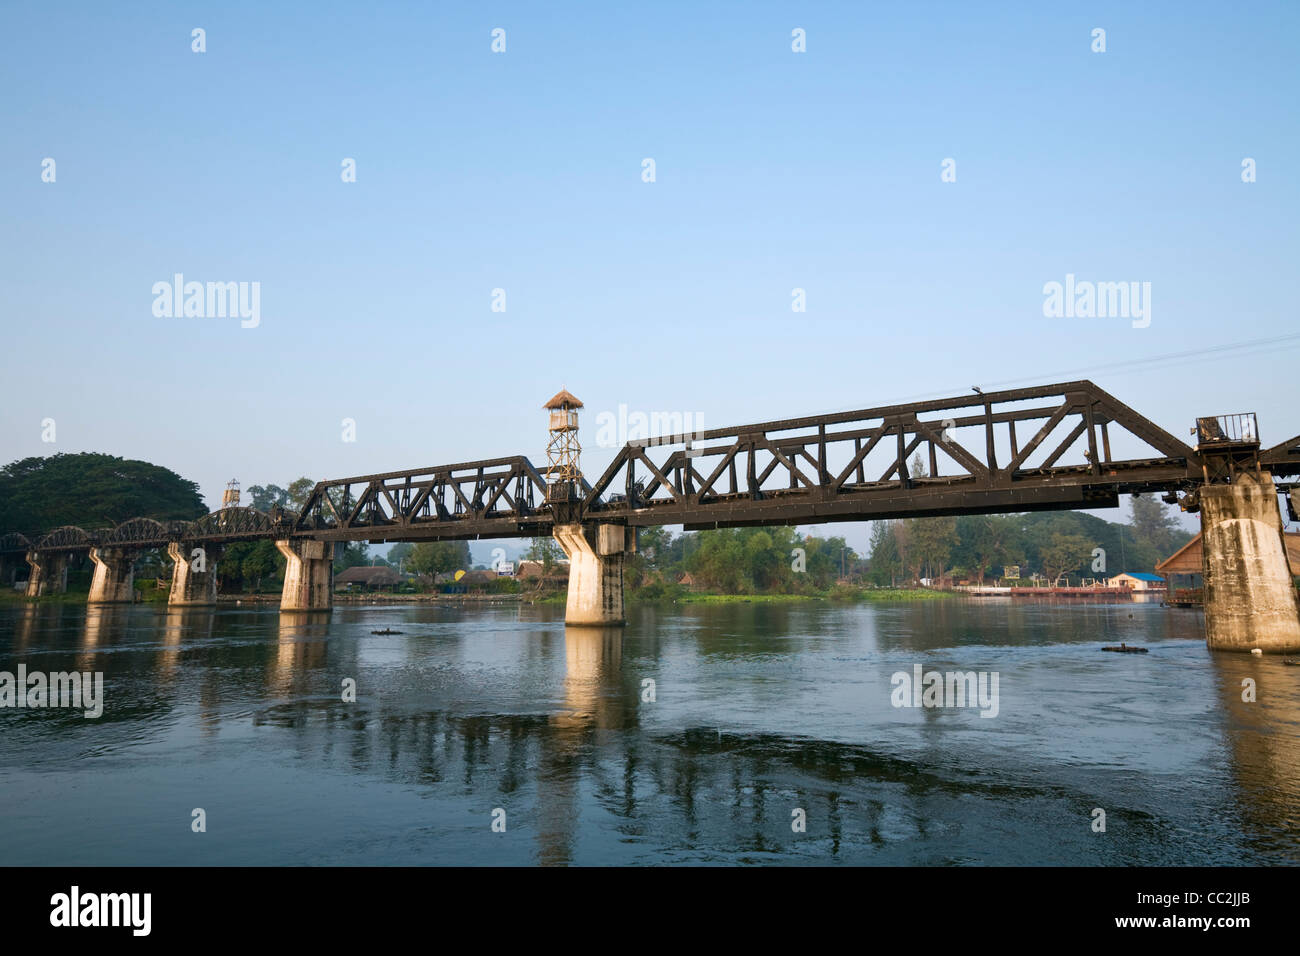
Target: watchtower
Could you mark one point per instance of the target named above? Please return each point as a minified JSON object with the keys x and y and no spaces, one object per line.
{"x":563,"y":472}
{"x":230,"y":497}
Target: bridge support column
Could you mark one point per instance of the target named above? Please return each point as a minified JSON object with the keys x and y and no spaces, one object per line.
{"x":49,"y":573}
{"x":192,"y":587}
{"x":1249,"y":600}
{"x":114,"y":578}
{"x":309,"y":575}
{"x":595,"y":555}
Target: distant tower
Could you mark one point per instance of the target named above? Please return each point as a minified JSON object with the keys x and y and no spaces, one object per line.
{"x":230,"y":497}
{"x":562,"y":448}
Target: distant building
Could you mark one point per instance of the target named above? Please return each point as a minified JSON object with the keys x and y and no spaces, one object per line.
{"x":533,"y":570}
{"x":1138,"y":581}
{"x":1188,"y":560}
{"x":368,"y":578}
{"x":1185,"y":568}
{"x":460,"y":582}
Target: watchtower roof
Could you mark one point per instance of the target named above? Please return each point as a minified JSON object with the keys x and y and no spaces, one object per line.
{"x":564,"y":399}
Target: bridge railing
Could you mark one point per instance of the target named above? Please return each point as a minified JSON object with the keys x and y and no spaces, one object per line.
{"x":1240,"y":428}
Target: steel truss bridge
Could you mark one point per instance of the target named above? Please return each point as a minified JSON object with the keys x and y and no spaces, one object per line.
{"x":1028,"y":449}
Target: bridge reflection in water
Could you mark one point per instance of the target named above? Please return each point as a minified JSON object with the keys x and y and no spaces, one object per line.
{"x":758,"y":711}
{"x":1262,"y":759}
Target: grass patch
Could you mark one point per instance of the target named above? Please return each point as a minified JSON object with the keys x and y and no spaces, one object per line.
{"x":901,"y":594}
{"x":9,"y":596}
{"x":699,"y":598}
{"x":839,"y":594}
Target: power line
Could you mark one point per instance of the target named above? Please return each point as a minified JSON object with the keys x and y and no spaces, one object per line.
{"x":1294,"y":339}
{"x":1173,"y":358}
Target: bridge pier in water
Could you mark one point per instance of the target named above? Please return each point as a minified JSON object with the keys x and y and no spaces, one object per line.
{"x":192,"y":587}
{"x":1249,"y":599}
{"x":49,"y":574}
{"x":596,"y":553}
{"x":114,"y":579}
{"x":308,"y":575}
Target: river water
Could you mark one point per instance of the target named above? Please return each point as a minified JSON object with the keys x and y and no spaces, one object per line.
{"x":727,"y":733}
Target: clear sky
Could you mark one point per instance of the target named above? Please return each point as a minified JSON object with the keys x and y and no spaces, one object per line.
{"x":523,"y":171}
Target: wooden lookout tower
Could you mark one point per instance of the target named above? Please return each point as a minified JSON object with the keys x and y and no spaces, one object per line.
{"x":563,"y":473}
{"x":230,"y":497}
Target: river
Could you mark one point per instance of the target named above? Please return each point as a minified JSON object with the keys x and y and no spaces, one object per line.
{"x":710,"y":733}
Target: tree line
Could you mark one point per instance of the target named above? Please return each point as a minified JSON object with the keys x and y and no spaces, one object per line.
{"x":1051,"y":544}
{"x":905,"y":551}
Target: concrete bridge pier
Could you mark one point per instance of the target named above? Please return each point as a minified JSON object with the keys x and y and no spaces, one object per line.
{"x":114,"y":578}
{"x":194,"y":577}
{"x":309,"y":575}
{"x":49,"y":573}
{"x":596,"y":554}
{"x":1249,"y":600}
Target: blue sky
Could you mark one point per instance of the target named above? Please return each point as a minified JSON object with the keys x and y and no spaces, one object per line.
{"x":522,"y":171}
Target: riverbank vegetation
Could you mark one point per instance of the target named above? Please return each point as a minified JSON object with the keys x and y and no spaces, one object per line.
{"x":904,"y":555}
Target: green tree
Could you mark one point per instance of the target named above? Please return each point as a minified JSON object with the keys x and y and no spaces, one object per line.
{"x":92,"y":490}
{"x":650,"y":559}
{"x":655,"y":546}
{"x":932,"y":542}
{"x":1064,"y":552}
{"x":903,"y":542}
{"x":355,"y":554}
{"x":917,"y":468}
{"x":545,"y":551}
{"x":231,"y":564}
{"x":748,"y":560}
{"x":400,"y":553}
{"x":266,"y":497}
{"x":245,"y":565}
{"x":438,"y":557}
{"x":1154,"y":524}
{"x":766,"y":558}
{"x":719,"y":560}
{"x":1125,"y":548}
{"x":987,"y":541}
{"x":827,"y":558}
{"x":263,"y":559}
{"x":298,"y":493}
{"x":886,"y":563}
